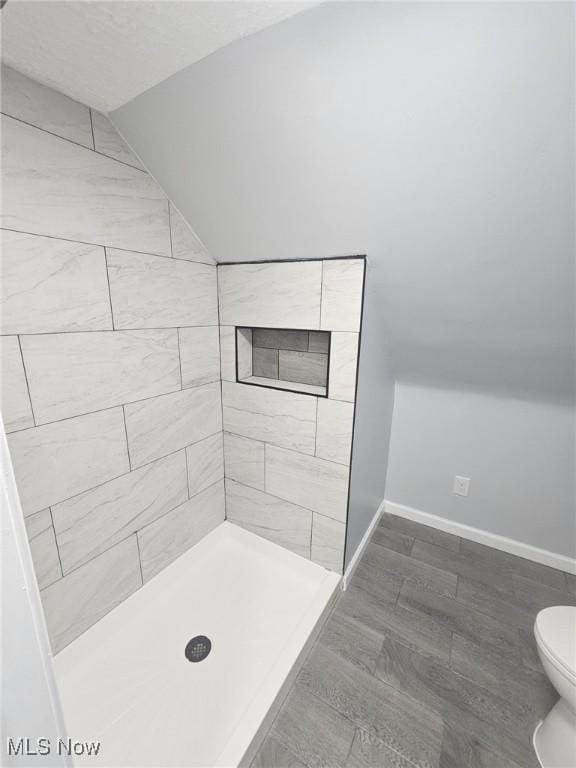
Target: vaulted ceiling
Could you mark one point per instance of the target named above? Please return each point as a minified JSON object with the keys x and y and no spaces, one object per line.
{"x":106,"y":53}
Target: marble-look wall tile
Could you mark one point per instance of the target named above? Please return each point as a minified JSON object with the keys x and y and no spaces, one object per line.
{"x":307,"y":481}
{"x":165,"y":539}
{"x":75,"y":373}
{"x":155,"y":292}
{"x":328,"y":537}
{"x":265,"y":362}
{"x":161,"y":425}
{"x":244,"y":352}
{"x":342,"y":281}
{"x":318,"y":341}
{"x":334,"y":430}
{"x":275,"y":295}
{"x":45,"y":108}
{"x":279,"y":521}
{"x":108,"y":141}
{"x":282,"y":418}
{"x":185,"y":242}
{"x":305,"y":367}
{"x":57,"y":461}
{"x":244,"y":460}
{"x":95,"y":520}
{"x":51,"y":285}
{"x":90,"y":239}
{"x":272,"y":339}
{"x":53,"y":187}
{"x":205,"y":463}
{"x":43,"y":548}
{"x":16,"y":409}
{"x":199,"y":355}
{"x":343,"y":360}
{"x":228,"y":352}
{"x":74,"y":603}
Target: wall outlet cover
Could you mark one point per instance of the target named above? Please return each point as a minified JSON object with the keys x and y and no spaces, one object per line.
{"x":461,"y":485}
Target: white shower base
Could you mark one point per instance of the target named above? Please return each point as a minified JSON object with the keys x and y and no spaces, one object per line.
{"x":127,"y":683}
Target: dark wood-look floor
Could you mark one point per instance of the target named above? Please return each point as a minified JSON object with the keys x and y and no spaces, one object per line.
{"x":427,"y":660}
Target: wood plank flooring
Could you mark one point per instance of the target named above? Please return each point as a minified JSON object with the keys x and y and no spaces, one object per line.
{"x":428,"y":660}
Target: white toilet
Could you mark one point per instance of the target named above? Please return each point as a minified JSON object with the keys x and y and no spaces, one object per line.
{"x":555,"y":736}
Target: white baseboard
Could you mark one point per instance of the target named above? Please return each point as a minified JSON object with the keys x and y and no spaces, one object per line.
{"x":362,"y":546}
{"x":512,"y":546}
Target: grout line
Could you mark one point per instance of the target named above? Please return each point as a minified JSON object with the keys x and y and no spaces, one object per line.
{"x":77,"y":143}
{"x":91,"y":129}
{"x":122,"y":162}
{"x":50,"y":133}
{"x":127,"y":441}
{"x":56,"y":542}
{"x":187,"y":472}
{"x":109,"y":294}
{"x":111,"y":330}
{"x":107,"y":245}
{"x":170,"y":229}
{"x":283,"y":448}
{"x":112,"y":407}
{"x":274,"y":496}
{"x":139,"y":557}
{"x":264,"y":444}
{"x":311,"y":533}
{"x":117,"y":477}
{"x":27,"y":388}
{"x":132,"y":533}
{"x":180,"y":359}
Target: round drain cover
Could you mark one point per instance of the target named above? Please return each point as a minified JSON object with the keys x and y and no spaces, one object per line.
{"x":198,"y":648}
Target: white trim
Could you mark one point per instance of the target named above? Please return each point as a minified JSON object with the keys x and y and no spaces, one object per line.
{"x":512,"y":546}
{"x":348,"y":573}
{"x":32,"y":693}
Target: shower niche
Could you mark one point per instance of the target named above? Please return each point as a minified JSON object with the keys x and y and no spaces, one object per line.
{"x":282,"y":358}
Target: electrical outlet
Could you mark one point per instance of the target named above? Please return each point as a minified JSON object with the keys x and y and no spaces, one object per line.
{"x":461,"y":485}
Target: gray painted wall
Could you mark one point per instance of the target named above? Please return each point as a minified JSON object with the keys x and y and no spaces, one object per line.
{"x":437,"y":138}
{"x":518,"y":454}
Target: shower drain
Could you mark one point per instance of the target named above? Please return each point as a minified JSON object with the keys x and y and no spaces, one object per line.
{"x":198,"y":648}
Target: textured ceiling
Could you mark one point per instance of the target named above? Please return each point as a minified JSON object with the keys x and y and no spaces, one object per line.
{"x":106,"y":53}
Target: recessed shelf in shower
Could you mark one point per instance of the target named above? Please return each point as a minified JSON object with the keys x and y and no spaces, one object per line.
{"x":282,"y":358}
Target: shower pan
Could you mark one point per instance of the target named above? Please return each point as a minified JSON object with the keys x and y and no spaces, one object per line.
{"x":129,"y":683}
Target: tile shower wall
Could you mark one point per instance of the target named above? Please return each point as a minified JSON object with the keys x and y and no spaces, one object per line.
{"x":110,"y":359}
{"x":287,"y":455}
